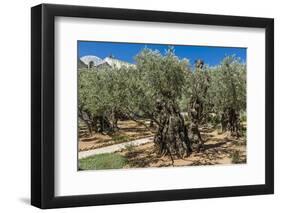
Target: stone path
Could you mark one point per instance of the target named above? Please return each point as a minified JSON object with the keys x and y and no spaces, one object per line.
{"x":113,"y":148}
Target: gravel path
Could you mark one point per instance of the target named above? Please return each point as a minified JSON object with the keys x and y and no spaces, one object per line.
{"x":113,"y":148}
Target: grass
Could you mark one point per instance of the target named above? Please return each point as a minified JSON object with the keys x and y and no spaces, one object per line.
{"x":103,"y":161}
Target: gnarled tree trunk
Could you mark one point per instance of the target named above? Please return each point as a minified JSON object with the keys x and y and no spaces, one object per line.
{"x":86,"y":117}
{"x":114,"y":120}
{"x":230,"y":121}
{"x":171,"y":137}
{"x":103,"y":124}
{"x":195,"y":115}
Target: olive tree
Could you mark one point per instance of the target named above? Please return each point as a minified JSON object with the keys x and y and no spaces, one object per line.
{"x":160,"y":83}
{"x":93,"y":99}
{"x":197,"y":99}
{"x":228,"y":91}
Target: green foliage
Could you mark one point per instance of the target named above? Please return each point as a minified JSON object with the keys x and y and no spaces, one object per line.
{"x":103,"y":90}
{"x":244,"y":131}
{"x":103,"y":161}
{"x":228,"y":85}
{"x":196,"y":93}
{"x":105,"y":93}
{"x":133,"y":92}
{"x":159,"y":77}
{"x":197,"y":83}
{"x":243,"y":117}
{"x":164,"y":76}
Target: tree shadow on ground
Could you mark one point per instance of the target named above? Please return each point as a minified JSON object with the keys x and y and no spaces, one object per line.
{"x":215,"y":145}
{"x":89,"y":139}
{"x":217,"y":149}
{"x":132,"y":129}
{"x":141,"y":158}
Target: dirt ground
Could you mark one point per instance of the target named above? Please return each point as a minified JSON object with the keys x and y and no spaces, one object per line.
{"x":218,"y":149}
{"x":128,"y":130}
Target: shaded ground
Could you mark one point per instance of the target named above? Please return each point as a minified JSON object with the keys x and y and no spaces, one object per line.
{"x":133,"y":144}
{"x":128,"y":131}
{"x":218,"y":149}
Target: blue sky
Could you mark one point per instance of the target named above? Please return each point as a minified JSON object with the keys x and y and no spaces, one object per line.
{"x":127,"y":51}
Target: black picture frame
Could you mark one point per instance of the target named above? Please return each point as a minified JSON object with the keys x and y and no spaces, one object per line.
{"x":43,"y":110}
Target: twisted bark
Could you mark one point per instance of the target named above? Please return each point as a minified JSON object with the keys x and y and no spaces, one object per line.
{"x":230,"y":121}
{"x":171,"y":137}
{"x":195,"y":115}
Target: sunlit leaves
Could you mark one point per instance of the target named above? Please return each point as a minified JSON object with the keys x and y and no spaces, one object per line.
{"x":134,"y":90}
